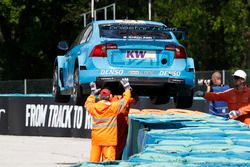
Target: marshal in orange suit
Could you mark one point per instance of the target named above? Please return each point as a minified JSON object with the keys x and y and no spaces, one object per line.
{"x":122,"y":126}
{"x":104,"y":125}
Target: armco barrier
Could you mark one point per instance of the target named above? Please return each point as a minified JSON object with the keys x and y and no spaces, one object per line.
{"x":39,"y":115}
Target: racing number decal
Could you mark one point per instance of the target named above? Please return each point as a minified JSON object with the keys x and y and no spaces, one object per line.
{"x":170,"y":73}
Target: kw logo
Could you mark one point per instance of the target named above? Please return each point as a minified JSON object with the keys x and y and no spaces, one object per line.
{"x":2,"y":111}
{"x":135,"y":54}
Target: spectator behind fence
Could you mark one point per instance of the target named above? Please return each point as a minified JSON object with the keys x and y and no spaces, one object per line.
{"x":218,"y":108}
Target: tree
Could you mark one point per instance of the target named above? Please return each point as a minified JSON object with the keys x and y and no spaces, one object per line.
{"x":215,"y":29}
{"x":30,"y":32}
{"x":218,"y":33}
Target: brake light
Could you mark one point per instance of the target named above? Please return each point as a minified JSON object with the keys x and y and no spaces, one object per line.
{"x":101,"y":50}
{"x":179,"y":51}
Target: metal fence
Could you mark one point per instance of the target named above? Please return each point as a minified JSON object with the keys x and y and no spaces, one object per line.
{"x":37,"y":86}
{"x":27,"y":86}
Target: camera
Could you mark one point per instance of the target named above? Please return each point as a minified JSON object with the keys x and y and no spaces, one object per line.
{"x":202,"y":81}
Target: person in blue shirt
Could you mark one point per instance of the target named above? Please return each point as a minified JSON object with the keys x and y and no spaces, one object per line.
{"x":218,"y":108}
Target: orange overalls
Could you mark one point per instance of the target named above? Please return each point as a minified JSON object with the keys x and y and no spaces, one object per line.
{"x":236,"y":100}
{"x":122,"y":127}
{"x":104,"y":126}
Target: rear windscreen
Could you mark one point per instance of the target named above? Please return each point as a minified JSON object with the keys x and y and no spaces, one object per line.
{"x":134,"y":31}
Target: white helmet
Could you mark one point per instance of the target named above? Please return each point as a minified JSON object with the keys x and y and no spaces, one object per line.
{"x":241,"y":74}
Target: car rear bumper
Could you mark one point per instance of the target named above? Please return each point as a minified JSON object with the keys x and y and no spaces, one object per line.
{"x":142,"y":76}
{"x":143,"y":86}
{"x":142,"y":80}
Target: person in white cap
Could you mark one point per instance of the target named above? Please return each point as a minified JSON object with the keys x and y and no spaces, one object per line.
{"x":237,"y":98}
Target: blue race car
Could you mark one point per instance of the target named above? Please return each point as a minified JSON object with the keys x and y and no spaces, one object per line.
{"x":146,"y":52}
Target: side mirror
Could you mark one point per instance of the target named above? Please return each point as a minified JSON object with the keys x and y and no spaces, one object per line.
{"x":63,"y":45}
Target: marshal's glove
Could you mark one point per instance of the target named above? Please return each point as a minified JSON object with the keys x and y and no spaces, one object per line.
{"x":94,"y":90}
{"x":125,"y":84}
{"x":234,"y":113}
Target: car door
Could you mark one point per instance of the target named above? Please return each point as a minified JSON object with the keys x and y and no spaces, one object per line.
{"x":75,"y":51}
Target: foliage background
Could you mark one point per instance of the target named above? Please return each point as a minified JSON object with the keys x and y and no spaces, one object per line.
{"x":218,"y":32}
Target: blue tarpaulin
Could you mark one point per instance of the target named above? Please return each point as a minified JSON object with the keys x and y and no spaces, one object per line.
{"x":184,"y":139}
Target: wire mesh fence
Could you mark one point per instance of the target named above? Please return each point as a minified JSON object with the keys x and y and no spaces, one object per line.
{"x":37,"y":86}
{"x":27,"y":86}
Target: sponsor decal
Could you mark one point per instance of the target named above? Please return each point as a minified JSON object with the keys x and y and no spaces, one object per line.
{"x":140,"y":54}
{"x":148,"y":72}
{"x":55,"y":116}
{"x":2,"y":111}
{"x":112,"y":72}
{"x":170,"y":73}
{"x":142,"y":72}
{"x":134,"y":72}
{"x":137,"y":37}
{"x":88,"y":121}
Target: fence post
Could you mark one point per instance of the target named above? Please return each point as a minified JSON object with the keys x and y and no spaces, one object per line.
{"x":105,"y":13}
{"x":92,"y":10}
{"x":223,"y":77}
{"x":84,"y":19}
{"x":149,"y":9}
{"x":25,"y":86}
{"x":114,"y":8}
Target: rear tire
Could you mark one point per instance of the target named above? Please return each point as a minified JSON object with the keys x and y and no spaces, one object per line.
{"x":158,"y":100}
{"x":56,"y":89}
{"x":78,"y":98}
{"x":183,"y":101}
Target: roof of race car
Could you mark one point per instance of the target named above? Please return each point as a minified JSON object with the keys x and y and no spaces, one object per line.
{"x":128,"y":22}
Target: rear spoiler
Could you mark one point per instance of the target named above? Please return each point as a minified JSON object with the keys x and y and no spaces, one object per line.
{"x":180,"y":33}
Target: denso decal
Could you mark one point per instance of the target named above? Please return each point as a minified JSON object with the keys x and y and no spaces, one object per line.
{"x":111,"y":72}
{"x":170,"y":73}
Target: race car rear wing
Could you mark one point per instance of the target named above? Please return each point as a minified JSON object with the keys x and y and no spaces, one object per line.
{"x":180,"y":33}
